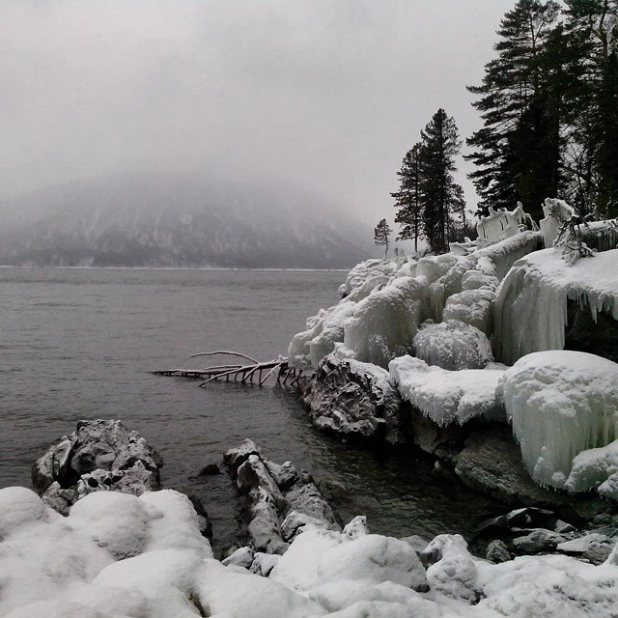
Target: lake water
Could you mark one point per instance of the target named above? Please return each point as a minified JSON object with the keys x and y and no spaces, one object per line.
{"x":80,"y":343}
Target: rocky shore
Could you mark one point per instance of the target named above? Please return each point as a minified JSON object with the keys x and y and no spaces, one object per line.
{"x":127,"y":549}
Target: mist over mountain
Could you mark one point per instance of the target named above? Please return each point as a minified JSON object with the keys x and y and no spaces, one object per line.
{"x":175,"y":220}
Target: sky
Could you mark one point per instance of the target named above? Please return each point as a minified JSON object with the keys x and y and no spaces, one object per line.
{"x":327,"y":95}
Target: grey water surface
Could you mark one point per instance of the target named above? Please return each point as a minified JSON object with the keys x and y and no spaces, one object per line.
{"x":80,"y":343}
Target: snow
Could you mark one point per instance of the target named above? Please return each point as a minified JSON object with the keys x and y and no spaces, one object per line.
{"x":71,"y":567}
{"x":448,"y":396}
{"x":453,"y":345}
{"x":531,"y":306}
{"x":595,"y":468}
{"x":385,"y":301}
{"x":561,"y":404}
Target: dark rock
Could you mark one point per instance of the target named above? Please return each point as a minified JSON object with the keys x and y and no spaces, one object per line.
{"x":491,"y":463}
{"x":234,"y":457}
{"x":209,"y":470}
{"x":101,"y":455}
{"x":498,"y":552}
{"x":281,"y":501}
{"x":537,"y":542}
{"x":354,"y":400}
{"x":529,"y":517}
{"x":442,"y":442}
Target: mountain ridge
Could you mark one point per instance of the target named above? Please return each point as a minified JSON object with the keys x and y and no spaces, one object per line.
{"x":172,"y":220}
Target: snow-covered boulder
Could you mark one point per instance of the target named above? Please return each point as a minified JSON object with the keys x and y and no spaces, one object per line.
{"x":448,"y":396}
{"x":453,"y":345}
{"x":319,"y":557}
{"x":531,"y":306}
{"x":596,"y":468}
{"x":353,"y":400}
{"x":452,"y":571}
{"x":560,"y":404}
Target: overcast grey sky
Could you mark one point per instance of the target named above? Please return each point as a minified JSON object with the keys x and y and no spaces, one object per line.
{"x":327,"y":94}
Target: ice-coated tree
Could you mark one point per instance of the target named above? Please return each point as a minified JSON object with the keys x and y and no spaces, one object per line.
{"x":517,"y":151}
{"x":440,"y":196}
{"x":408,"y":198}
{"x":382,"y":234}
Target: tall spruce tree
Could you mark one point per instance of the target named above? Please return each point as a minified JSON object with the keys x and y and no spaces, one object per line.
{"x":430,"y":203}
{"x":408,"y":198}
{"x":441,"y":196}
{"x":517,"y":151}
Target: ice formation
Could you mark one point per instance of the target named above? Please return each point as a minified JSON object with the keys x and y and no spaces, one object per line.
{"x":384,"y":323}
{"x":453,"y":345}
{"x":560,"y":404}
{"x":501,"y":224}
{"x":448,"y":396}
{"x":385,"y":302}
{"x":531,"y":306}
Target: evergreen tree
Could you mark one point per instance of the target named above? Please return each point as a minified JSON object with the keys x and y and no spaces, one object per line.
{"x":441,"y":197}
{"x":517,"y":151}
{"x":382,"y":234}
{"x":408,"y":198}
{"x":591,"y":32}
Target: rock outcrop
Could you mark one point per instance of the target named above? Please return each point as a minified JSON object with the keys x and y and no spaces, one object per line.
{"x":354,"y":400}
{"x":282,"y":502}
{"x":100,"y":455}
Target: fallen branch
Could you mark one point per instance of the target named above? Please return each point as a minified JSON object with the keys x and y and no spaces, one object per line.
{"x":225,"y":352}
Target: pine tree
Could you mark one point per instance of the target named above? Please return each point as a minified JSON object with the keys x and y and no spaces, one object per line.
{"x":440,"y":195}
{"x":591,"y":32}
{"x":382,"y":234}
{"x":408,"y":198}
{"x":517,"y":151}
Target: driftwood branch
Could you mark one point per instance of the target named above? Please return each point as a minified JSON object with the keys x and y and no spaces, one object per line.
{"x":225,"y":352}
{"x":279,"y":368}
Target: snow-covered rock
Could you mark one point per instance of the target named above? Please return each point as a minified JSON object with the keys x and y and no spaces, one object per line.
{"x":448,"y":396}
{"x":452,"y":571}
{"x":453,"y":345}
{"x":353,"y":400}
{"x":561,"y":404}
{"x":595,"y":468}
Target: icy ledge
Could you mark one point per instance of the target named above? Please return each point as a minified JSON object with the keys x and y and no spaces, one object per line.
{"x":531,"y":306}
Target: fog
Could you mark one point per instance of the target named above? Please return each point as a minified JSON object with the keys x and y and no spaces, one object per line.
{"x":325,"y":94}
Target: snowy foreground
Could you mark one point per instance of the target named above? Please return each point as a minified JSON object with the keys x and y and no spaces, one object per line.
{"x":117,"y":555}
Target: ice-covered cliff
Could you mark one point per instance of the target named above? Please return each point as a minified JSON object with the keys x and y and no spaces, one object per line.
{"x":439,"y":323}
